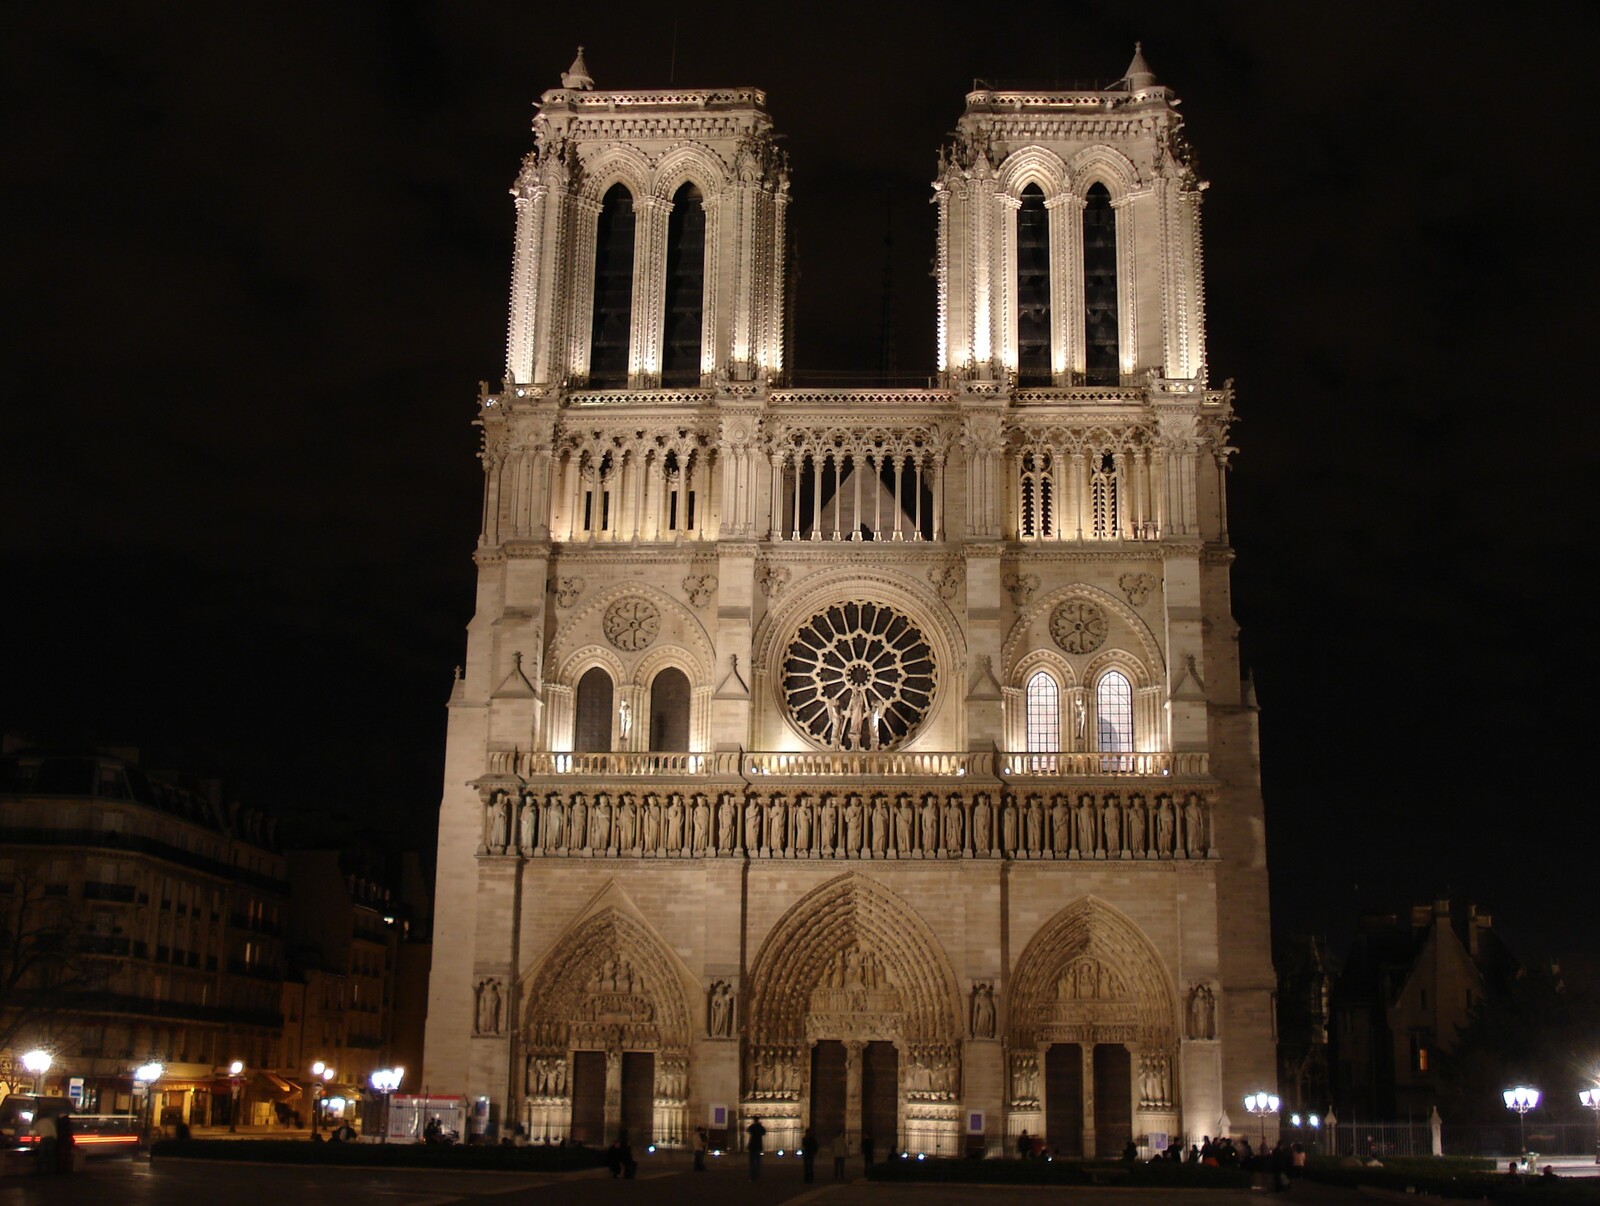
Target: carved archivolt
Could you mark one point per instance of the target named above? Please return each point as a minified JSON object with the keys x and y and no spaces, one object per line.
{"x":608,"y":985}
{"x":851,"y":961}
{"x":1090,"y":975}
{"x":675,"y":622}
{"x":1017,"y":642}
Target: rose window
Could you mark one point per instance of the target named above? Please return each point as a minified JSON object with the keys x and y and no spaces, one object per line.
{"x":858,"y":676}
{"x":1078,"y":626}
{"x":632,"y":624}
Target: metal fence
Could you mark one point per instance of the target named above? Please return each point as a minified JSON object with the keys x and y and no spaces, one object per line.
{"x":1381,"y":1139}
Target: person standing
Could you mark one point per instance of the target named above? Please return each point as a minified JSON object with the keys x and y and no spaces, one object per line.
{"x":757,"y":1134}
{"x":840,"y":1149}
{"x":701,"y":1142}
{"x":65,"y":1130}
{"x":808,"y":1155}
{"x":866,"y":1150}
{"x":44,"y":1134}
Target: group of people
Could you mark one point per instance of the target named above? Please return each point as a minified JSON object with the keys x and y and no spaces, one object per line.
{"x":839,"y":1149}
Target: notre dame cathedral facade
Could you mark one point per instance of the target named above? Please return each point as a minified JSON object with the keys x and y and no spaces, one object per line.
{"x":868,"y":759}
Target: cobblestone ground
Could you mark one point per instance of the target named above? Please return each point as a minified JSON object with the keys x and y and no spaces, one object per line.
{"x":662,"y":1181}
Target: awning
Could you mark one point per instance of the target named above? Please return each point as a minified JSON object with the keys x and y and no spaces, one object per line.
{"x":336,"y":1089}
{"x":279,"y":1084}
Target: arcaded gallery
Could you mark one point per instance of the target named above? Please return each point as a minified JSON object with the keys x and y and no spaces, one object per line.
{"x":872,"y":760}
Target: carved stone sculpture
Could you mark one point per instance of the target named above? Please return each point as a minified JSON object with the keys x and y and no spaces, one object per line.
{"x":702,"y":825}
{"x":488,"y":1007}
{"x":1060,"y":827}
{"x":1194,"y":826}
{"x":980,"y":824}
{"x":720,"y":1010}
{"x":1202,"y":1012}
{"x":727,"y":818}
{"x":930,"y":826}
{"x":903,"y":822}
{"x":1164,"y":828}
{"x":983,"y":1020}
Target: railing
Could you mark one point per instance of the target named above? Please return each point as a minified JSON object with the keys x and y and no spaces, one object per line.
{"x":893,"y":764}
{"x":624,"y":764}
{"x":1087,"y":765}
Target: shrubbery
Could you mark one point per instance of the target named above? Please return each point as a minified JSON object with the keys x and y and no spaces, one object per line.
{"x":498,"y":1157}
{"x":1059,"y":1172}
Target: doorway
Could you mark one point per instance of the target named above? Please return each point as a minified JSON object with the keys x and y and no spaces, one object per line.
{"x":1063,"y":1102}
{"x":1113,"y":1098}
{"x":828,"y":1089}
{"x":880,"y":1096}
{"x":639,"y":1096}
{"x":589,"y":1097}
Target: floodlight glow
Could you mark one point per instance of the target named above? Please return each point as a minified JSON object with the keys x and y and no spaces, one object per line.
{"x":37,"y":1061}
{"x":236,"y":1067}
{"x":147,"y":1074}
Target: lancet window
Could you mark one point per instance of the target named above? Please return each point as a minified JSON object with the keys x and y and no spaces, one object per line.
{"x":612,"y":324}
{"x":685,"y":294}
{"x":678,"y":504}
{"x":594,"y":511}
{"x":1113,"y":712}
{"x":1043,"y":702}
{"x":592,"y":712}
{"x":669,"y":710}
{"x":876,"y":489}
{"x":1036,"y":496}
{"x":1033,"y":289}
{"x":1103,"y":497}
{"x":1102,"y":353}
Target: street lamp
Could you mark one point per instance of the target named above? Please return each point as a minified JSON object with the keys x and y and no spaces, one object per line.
{"x":1591,"y":1102}
{"x":146,"y":1076}
{"x":318,"y":1092}
{"x":1261,"y":1104}
{"x":38,"y":1062}
{"x":384,"y":1082}
{"x":1521,"y":1099}
{"x":235,"y":1078}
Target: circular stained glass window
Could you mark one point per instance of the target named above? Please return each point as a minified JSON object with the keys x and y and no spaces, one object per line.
{"x":859,"y":676}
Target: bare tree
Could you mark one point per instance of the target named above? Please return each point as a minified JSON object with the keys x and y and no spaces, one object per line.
{"x":43,"y":970}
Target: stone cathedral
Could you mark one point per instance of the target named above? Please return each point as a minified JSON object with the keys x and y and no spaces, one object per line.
{"x":874,"y":760}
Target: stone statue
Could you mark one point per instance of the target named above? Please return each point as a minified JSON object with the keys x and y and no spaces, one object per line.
{"x":702,"y":824}
{"x":600,"y":824}
{"x":802,"y":825}
{"x":980,"y":824}
{"x":577,"y":824}
{"x":903,"y":821}
{"x":624,"y":721}
{"x":652,"y":825}
{"x":530,"y":823}
{"x":1194,"y":826}
{"x":983,"y":1010}
{"x":1008,"y":828}
{"x":852,"y":826}
{"x":1085,"y":826}
{"x":497,"y":822}
{"x":835,"y":724}
{"x":1164,"y":829}
{"x":777,"y":825}
{"x":930,"y":826}
{"x":880,"y":827}
{"x":555,"y":824}
{"x":1111,"y":827}
{"x":1202,"y":1012}
{"x":830,"y":823}
{"x":628,"y":825}
{"x":954,"y":825}
{"x":855,"y":717}
{"x":1080,"y":717}
{"x":1136,"y":829}
{"x":674,"y":824}
{"x":752,"y":827}
{"x":727,"y":818}
{"x":721,"y":1010}
{"x":1060,"y":827}
{"x":1035,"y":826}
{"x":489,"y":1007}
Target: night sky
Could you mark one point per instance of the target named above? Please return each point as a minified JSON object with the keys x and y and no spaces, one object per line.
{"x":255,"y":261}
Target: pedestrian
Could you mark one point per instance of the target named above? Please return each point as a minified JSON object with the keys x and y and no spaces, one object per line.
{"x":65,"y":1130}
{"x":630,"y":1166}
{"x":840,"y":1147}
{"x":1024,"y":1146}
{"x":757,"y":1134}
{"x":808,"y":1155}
{"x":44,"y":1135}
{"x":701,"y":1143}
{"x":866,"y":1150}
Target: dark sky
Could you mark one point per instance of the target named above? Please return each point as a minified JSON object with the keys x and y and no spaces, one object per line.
{"x":255,"y":259}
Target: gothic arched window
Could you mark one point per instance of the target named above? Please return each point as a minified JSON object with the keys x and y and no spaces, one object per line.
{"x":1033,"y":289}
{"x":1113,"y":713}
{"x":591,"y":728}
{"x":1044,"y":714}
{"x":1102,"y":353}
{"x":613,"y":290}
{"x":1036,"y":497}
{"x":686,"y":286}
{"x":669,"y":710}
{"x":1103,"y":496}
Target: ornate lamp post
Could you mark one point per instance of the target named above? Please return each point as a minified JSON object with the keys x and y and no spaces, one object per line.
{"x":146,"y":1076}
{"x":38,"y":1063}
{"x":235,"y":1079}
{"x":318,"y":1092}
{"x":384,"y":1082}
{"x":1521,"y":1099}
{"x":1261,"y":1104}
{"x":1591,"y":1102}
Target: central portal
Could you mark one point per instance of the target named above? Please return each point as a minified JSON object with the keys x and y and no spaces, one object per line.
{"x":880,"y":1096}
{"x":856,"y":1089}
{"x":828,"y":1089}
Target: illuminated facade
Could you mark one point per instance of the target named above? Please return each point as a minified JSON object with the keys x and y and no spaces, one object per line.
{"x":864,"y":759}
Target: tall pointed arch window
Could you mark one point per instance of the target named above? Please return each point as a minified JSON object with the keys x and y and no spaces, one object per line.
{"x":1103,"y":496}
{"x":669,"y":710}
{"x":1113,"y":713}
{"x":686,"y":289}
{"x":591,"y":730}
{"x":1036,"y":520}
{"x":613,"y":290}
{"x":1043,"y":701}
{"x":1102,"y":353}
{"x":1033,"y":289}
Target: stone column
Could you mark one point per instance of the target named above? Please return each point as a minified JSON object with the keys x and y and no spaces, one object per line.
{"x":613,"y":1092}
{"x":853,"y":1054}
{"x":1087,"y":1052}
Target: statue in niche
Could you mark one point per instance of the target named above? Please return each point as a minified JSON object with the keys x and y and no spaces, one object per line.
{"x":777,"y":824}
{"x":494,"y":822}
{"x":835,"y":731}
{"x":830,"y":823}
{"x":1202,"y":1012}
{"x":529,"y":837}
{"x":930,"y":825}
{"x":1060,"y":827}
{"x":720,"y":1009}
{"x":752,"y":827}
{"x":488,"y":1012}
{"x":1111,"y":826}
{"x":702,"y":824}
{"x":1154,"y":1081}
{"x":980,"y":824}
{"x":577,"y":823}
{"x":1008,"y":828}
{"x":1035,"y":826}
{"x":983,"y":1010}
{"x":1136,"y":829}
{"x":1025,"y":1078}
{"x":852,"y":826}
{"x":855,"y":718}
{"x":600,"y":824}
{"x":1086,"y":826}
{"x":1164,"y":828}
{"x":652,"y":824}
{"x":802,"y":824}
{"x":1194,"y":826}
{"x":1080,"y":717}
{"x":628,"y":825}
{"x":954,"y":824}
{"x":880,"y":827}
{"x":674,"y":824}
{"x":624,"y":721}
{"x":555,"y":823}
{"x":727,"y":818}
{"x":903,"y":821}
